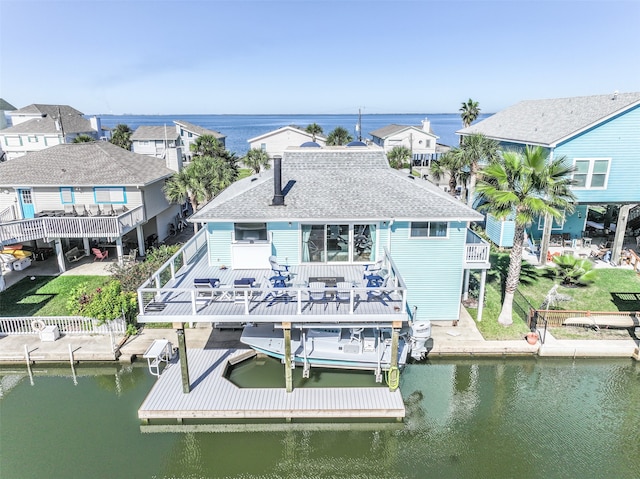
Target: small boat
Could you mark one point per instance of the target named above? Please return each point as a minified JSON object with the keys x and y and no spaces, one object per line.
{"x":367,"y":348}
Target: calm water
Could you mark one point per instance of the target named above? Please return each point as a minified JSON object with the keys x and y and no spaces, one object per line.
{"x":510,"y":418}
{"x":240,"y":128}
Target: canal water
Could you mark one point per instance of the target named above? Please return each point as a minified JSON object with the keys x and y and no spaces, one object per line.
{"x":477,"y":418}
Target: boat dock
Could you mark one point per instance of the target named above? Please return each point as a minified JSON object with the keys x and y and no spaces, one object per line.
{"x":213,"y":396}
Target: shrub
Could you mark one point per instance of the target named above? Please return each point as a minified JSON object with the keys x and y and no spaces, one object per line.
{"x":104,"y":304}
{"x":574,"y":271}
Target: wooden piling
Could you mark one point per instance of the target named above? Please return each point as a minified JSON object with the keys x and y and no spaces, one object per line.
{"x":288,"y":374}
{"x":184,"y":367}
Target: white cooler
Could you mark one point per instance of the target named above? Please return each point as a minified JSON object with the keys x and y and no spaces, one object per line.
{"x":21,"y":264}
{"x":50,"y":333}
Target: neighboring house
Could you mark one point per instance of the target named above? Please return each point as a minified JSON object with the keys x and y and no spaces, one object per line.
{"x":600,"y":137}
{"x":326,"y":213}
{"x":419,"y":139}
{"x":91,"y":192}
{"x":36,"y":127}
{"x":276,"y":141}
{"x":189,"y":133}
{"x":159,"y":141}
{"x":4,"y":107}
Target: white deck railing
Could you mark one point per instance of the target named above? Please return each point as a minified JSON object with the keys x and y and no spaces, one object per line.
{"x":476,"y":249}
{"x":8,"y":214}
{"x":70,"y":227}
{"x":77,"y":325}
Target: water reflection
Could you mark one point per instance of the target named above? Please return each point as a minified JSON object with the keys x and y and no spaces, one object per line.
{"x":523,"y":418}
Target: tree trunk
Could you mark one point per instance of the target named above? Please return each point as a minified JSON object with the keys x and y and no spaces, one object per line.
{"x":472,"y":187}
{"x":513,"y":277}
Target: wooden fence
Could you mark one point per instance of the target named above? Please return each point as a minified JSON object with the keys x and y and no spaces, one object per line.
{"x":557,"y":318}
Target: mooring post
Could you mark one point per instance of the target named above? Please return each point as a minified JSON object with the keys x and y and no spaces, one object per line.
{"x":394,"y":372}
{"x":28,"y":359}
{"x":182,"y":350}
{"x":288,"y":375}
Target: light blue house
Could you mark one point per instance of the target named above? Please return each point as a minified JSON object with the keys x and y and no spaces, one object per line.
{"x":599,"y":136}
{"x":327,"y":213}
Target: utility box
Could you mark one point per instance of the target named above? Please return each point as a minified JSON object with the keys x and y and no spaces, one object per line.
{"x":49,"y":333}
{"x":21,"y":264}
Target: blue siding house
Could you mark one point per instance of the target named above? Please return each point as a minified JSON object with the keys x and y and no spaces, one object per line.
{"x":599,"y":136}
{"x":328,"y":213}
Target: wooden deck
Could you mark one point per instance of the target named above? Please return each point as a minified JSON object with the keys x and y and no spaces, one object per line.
{"x":212,"y":396}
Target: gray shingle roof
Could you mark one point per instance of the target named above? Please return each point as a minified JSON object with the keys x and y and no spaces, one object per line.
{"x":389,"y":130}
{"x":46,"y":110}
{"x":47,"y":125}
{"x":335,"y":184}
{"x":83,"y":164}
{"x":548,"y":122}
{"x":321,"y":138}
{"x":198,"y":130}
{"x":144,"y":133}
{"x":5,"y":105}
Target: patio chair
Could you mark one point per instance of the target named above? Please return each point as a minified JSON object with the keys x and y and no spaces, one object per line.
{"x":94,"y":210}
{"x":372,"y":268}
{"x":278,"y":269}
{"x":378,"y":292}
{"x":206,"y":291}
{"x":317,"y":294}
{"x":343,"y":293}
{"x":100,"y":254}
{"x":70,"y":210}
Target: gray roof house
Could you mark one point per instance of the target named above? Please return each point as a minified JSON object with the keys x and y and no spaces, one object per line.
{"x":189,"y":133}
{"x":36,"y":127}
{"x":4,"y":106}
{"x":53,"y":197}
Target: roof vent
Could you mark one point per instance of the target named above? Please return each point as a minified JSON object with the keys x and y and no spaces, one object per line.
{"x":615,"y":95}
{"x":356,"y":143}
{"x":310,"y":144}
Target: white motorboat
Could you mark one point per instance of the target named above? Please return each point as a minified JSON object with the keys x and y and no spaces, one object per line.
{"x":367,"y":347}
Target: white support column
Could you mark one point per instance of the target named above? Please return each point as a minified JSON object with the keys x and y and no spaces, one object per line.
{"x":465,"y":287}
{"x":621,"y":227}
{"x":60,"y":255}
{"x":119,"y":251}
{"x":86,"y":246}
{"x":483,"y":279}
{"x":140,"y":235}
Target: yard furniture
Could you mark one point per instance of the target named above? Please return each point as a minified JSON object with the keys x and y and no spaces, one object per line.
{"x":317,"y":294}
{"x":100,"y":254}
{"x":160,"y":351}
{"x":74,"y":254}
{"x":343,"y":293}
{"x":278,"y":269}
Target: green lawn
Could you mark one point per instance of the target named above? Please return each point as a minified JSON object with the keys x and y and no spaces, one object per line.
{"x":607,"y":293}
{"x":44,"y":296}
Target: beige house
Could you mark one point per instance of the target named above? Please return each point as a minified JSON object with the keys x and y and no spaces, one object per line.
{"x":419,"y":139}
{"x":159,"y":141}
{"x":188,"y":133}
{"x":276,"y":141}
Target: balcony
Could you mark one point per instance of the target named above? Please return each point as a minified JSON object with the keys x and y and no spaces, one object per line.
{"x":169,"y":296}
{"x":476,"y":252}
{"x":18,"y":231}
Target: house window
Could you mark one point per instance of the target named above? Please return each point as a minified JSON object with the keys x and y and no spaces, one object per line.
{"x":189,"y":134}
{"x":66,"y":195}
{"x":250,"y":232}
{"x":110,"y":195}
{"x":263,"y":146}
{"x":428,"y":143}
{"x":428,"y":229}
{"x":591,"y":172}
{"x":330,"y":243}
{"x":32,"y":139}
{"x":555,"y":225}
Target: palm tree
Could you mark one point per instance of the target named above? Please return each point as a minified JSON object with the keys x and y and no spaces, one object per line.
{"x":399,"y":157}
{"x":469,"y":112}
{"x":209,"y":146}
{"x":83,"y":139}
{"x":121,"y":136}
{"x":475,"y":150}
{"x":524,"y":185}
{"x":256,"y":159}
{"x":200,"y":181}
{"x":314,"y":129}
{"x":339,"y":136}
{"x":449,"y":166}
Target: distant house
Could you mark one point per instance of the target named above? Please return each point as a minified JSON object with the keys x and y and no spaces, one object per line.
{"x":189,"y":132}
{"x":36,"y":127}
{"x":276,"y":141}
{"x":83,"y":194}
{"x":419,"y":139}
{"x":599,"y":136}
{"x":159,"y":141}
{"x":4,"y":106}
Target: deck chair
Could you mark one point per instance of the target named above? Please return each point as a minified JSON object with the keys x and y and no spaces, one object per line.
{"x":70,"y":210}
{"x":206,"y":291}
{"x":94,"y":210}
{"x":278,"y":269}
{"x":317,"y":294}
{"x":378,"y":292}
{"x":343,"y":293}
{"x":100,"y":254}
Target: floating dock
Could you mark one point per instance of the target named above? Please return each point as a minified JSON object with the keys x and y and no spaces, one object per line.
{"x":213,"y":396}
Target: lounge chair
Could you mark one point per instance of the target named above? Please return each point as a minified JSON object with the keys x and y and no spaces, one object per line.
{"x":100,"y":254}
{"x":317,"y":294}
{"x":278,"y":269}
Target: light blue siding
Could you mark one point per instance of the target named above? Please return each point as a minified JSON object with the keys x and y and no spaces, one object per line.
{"x":618,"y":139}
{"x":432,"y":269}
{"x":574,"y":224}
{"x":500,"y":232}
{"x":219,"y":243}
{"x":286,"y":242}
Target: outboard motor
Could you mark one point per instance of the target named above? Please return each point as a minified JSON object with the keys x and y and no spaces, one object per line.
{"x":419,"y":334}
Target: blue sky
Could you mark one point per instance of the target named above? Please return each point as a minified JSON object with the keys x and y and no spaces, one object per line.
{"x":305,"y":56}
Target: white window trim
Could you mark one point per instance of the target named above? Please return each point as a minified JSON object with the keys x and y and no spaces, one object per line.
{"x":590,"y":174}
{"x":428,"y":237}
{"x":553,"y":220}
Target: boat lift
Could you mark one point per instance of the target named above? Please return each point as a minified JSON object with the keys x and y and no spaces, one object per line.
{"x":160,"y":351}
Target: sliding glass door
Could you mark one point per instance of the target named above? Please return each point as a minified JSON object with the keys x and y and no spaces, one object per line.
{"x":335,"y":243}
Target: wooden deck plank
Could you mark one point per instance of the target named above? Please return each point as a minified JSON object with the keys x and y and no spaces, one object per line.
{"x":213,"y":396}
